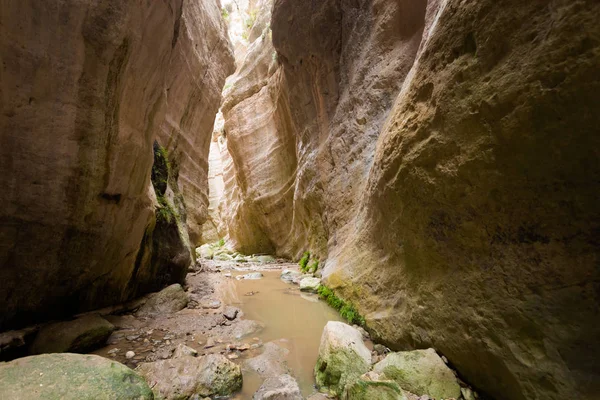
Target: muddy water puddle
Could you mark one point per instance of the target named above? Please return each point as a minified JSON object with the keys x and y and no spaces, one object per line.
{"x":293,"y":319}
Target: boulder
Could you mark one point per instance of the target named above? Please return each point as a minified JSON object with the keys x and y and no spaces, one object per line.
{"x":169,"y":300}
{"x":185,"y":376}
{"x":205,"y":251}
{"x":265,"y":259}
{"x":183,"y":350}
{"x":77,"y":336}
{"x":282,"y":387}
{"x":310,"y":284}
{"x":371,"y":386}
{"x":289,"y":275}
{"x":250,"y":276}
{"x":343,"y":357}
{"x":70,"y":377}
{"x":270,"y":363}
{"x":231,"y":312}
{"x":421,"y":372}
{"x":222,"y":257}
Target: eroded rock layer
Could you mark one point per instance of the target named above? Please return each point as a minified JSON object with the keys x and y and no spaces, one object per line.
{"x":443,"y":157}
{"x":87,"y":88}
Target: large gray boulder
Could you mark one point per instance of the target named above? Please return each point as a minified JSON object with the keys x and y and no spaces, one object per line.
{"x":373,"y":386}
{"x":185,"y":376}
{"x":77,"y":336}
{"x":70,"y":377}
{"x":343,"y":357}
{"x":270,"y":363}
{"x":169,"y":300}
{"x":421,"y":372}
{"x":282,"y":387}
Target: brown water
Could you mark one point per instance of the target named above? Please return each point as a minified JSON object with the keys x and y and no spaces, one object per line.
{"x":293,"y":318}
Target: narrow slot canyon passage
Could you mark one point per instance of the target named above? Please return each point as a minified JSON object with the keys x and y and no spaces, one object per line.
{"x":300,"y":200}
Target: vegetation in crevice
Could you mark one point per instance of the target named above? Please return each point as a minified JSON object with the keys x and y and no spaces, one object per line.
{"x":346,"y":309}
{"x":161,"y":172}
{"x":313,"y":267}
{"x":303,"y":263}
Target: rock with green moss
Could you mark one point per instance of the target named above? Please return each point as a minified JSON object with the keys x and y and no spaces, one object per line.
{"x":223,"y":257}
{"x":77,"y":336}
{"x":185,"y":376}
{"x":343,"y":357}
{"x":373,"y":385}
{"x":205,"y":251}
{"x":68,"y":376}
{"x":310,"y":284}
{"x":421,"y":372}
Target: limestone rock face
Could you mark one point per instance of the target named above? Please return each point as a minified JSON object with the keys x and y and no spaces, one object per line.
{"x":440,"y":157}
{"x":70,"y":377}
{"x":87,"y":87}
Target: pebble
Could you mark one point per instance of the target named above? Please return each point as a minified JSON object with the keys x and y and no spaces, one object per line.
{"x":129,"y":355}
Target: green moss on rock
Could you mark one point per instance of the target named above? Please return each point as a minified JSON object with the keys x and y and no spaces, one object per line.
{"x":421,"y":372}
{"x":70,"y":377}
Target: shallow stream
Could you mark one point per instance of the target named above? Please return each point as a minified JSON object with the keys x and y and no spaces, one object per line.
{"x":295,"y":319}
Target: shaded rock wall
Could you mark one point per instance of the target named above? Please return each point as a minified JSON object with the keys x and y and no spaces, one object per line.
{"x":87,"y":87}
{"x":446,"y":164}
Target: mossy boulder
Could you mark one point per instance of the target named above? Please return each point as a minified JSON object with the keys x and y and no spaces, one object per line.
{"x":77,"y":336}
{"x":68,"y":376}
{"x":310,"y":284}
{"x":421,"y":372}
{"x":205,"y":251}
{"x":343,"y":357}
{"x":185,"y":376}
{"x":372,"y":386}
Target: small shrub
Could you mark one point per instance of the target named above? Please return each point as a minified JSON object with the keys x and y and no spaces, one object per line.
{"x":347,"y":310}
{"x":225,"y":14}
{"x":303,"y":263}
{"x":314,"y":266}
{"x":221,"y":242}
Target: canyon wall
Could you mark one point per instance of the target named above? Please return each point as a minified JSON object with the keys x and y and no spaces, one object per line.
{"x":442,"y":156}
{"x":88,"y":87}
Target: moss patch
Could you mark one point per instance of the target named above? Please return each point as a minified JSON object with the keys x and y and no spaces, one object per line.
{"x":303,"y":263}
{"x":347,"y":310}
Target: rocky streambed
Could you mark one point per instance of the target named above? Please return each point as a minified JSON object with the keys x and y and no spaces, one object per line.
{"x":242,"y":328}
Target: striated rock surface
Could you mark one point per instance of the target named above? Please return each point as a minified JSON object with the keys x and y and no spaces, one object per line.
{"x":441,"y":158}
{"x":87,"y":87}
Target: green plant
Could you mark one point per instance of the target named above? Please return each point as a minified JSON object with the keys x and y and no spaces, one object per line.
{"x":164,"y":211}
{"x":347,"y":310}
{"x":251,"y":19}
{"x":314,"y":266}
{"x":221,"y":242}
{"x":225,"y":14}
{"x":303,"y":263}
